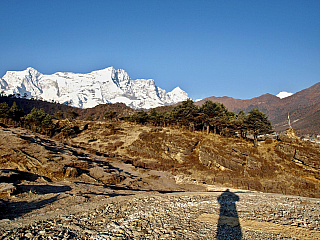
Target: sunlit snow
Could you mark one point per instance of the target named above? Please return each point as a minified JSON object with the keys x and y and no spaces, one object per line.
{"x":283,"y":94}
{"x":88,"y":90}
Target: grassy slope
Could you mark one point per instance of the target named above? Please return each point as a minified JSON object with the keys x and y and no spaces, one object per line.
{"x":285,"y":166}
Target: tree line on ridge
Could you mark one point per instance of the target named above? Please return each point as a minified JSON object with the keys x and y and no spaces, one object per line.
{"x":210,"y":117}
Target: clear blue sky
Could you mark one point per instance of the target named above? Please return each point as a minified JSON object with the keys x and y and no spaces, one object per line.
{"x":240,"y":48}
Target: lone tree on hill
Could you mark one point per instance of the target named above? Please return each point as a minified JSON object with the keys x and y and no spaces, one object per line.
{"x":258,"y":123}
{"x":39,"y":120}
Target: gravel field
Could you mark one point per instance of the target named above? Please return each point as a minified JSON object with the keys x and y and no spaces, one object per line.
{"x":202,"y":215}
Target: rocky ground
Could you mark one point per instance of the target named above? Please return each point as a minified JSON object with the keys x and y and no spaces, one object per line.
{"x":80,"y":189}
{"x":187,"y":215}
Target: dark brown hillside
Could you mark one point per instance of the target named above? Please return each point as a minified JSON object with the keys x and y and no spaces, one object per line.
{"x":238,"y":104}
{"x":303,"y":108}
{"x":27,"y":105}
{"x":306,"y":120}
{"x":95,"y":113}
{"x":306,"y":97}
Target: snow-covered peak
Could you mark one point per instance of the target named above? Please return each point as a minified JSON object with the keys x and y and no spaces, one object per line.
{"x":31,"y":69}
{"x":90,"y":89}
{"x":178,"y":95}
{"x":284,"y":94}
{"x":177,"y":90}
{"x":21,"y":74}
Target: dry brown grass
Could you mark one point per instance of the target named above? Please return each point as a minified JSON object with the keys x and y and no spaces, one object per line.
{"x":265,"y":168}
{"x":275,"y":171}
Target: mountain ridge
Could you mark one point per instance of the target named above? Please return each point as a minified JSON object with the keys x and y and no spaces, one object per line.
{"x":86,"y":90}
{"x":303,"y":108}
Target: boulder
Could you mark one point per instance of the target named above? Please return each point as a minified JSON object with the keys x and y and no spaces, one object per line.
{"x":54,"y":170}
{"x":106,"y":177}
{"x":71,"y":172}
{"x":6,"y":189}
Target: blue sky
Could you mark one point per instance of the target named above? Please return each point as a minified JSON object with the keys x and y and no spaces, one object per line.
{"x":240,"y":48}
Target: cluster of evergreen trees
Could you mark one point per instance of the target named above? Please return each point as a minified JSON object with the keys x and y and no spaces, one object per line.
{"x":10,"y":114}
{"x":211,"y":116}
{"x":37,"y":120}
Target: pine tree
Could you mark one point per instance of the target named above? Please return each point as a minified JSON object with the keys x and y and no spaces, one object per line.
{"x":240,"y":123}
{"x":258,"y":123}
{"x":140,"y":117}
{"x":216,"y":115}
{"x":15,"y":113}
{"x":186,"y":113}
{"x":4,"y":110}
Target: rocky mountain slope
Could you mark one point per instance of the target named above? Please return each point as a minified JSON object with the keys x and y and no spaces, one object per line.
{"x":303,"y":107}
{"x":280,"y":165}
{"x":91,"y":89}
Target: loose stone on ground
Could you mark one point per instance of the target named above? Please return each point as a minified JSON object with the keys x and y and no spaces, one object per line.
{"x":180,"y":216}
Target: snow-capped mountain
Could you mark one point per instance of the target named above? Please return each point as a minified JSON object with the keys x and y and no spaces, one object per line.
{"x":283,"y":94}
{"x":88,"y":90}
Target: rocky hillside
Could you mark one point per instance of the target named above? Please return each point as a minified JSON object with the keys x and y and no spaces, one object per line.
{"x":201,"y":215}
{"x":285,"y":166}
{"x":83,"y":187}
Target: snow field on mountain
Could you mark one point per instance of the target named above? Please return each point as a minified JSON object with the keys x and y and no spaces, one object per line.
{"x":91,"y":89}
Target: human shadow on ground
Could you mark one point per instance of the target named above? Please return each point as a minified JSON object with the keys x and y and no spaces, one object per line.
{"x":42,"y":189}
{"x":15,"y":176}
{"x":12,"y":210}
{"x":228,"y":224}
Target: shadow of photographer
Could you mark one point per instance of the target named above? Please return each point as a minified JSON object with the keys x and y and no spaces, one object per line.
{"x":228,"y":224}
